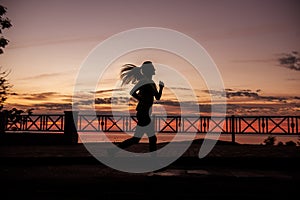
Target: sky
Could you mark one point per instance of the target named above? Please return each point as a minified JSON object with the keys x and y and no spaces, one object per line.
{"x":49,"y":41}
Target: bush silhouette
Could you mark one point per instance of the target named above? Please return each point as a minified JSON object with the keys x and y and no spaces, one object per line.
{"x":290,"y":143}
{"x":270,"y":140}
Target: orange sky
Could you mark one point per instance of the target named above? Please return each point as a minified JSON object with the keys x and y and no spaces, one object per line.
{"x":49,"y":41}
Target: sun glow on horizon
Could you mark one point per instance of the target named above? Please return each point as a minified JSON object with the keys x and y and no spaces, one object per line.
{"x":46,"y":51}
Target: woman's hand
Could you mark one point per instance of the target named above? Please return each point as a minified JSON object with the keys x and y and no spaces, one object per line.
{"x":159,"y":93}
{"x":161,"y":84}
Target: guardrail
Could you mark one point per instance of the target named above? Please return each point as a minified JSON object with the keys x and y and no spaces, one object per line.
{"x":54,"y":123}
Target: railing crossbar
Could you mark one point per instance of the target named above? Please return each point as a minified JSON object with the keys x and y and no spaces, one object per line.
{"x":288,"y":125}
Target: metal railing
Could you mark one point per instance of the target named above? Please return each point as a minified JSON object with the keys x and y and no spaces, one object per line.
{"x":43,"y":122}
{"x":286,"y":125}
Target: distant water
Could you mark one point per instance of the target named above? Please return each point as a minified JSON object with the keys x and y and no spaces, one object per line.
{"x":167,"y":137}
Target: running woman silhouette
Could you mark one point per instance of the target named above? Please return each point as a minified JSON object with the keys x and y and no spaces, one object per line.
{"x":145,"y":90}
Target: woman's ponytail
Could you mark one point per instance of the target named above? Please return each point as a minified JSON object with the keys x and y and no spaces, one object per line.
{"x":130,"y":74}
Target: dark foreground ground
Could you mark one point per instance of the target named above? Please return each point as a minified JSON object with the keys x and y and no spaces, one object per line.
{"x":229,"y":171}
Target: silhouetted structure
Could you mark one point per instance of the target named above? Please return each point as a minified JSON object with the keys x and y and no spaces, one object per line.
{"x":53,"y":126}
{"x":39,"y":129}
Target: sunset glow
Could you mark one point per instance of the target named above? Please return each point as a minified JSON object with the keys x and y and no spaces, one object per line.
{"x":50,"y":40}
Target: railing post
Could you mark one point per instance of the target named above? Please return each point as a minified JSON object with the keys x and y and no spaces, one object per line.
{"x":232,"y":129}
{"x":70,"y":127}
{"x":3,"y":121}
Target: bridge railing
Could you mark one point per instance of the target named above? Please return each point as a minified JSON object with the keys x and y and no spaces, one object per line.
{"x":288,"y":125}
{"x":39,"y":122}
{"x":285,"y":125}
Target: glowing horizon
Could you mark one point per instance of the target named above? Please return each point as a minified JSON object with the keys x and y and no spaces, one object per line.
{"x":46,"y":51}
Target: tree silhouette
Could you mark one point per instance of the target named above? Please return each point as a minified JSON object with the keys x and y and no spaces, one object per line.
{"x":4,"y":24}
{"x":4,"y":87}
{"x":4,"y":83}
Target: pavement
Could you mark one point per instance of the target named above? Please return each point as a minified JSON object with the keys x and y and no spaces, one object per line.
{"x":228,"y":171}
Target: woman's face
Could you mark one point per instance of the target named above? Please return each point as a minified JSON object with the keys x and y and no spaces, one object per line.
{"x":148,"y":70}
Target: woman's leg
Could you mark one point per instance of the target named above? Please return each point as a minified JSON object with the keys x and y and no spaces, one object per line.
{"x":139,"y":132}
{"x":151,"y":136}
{"x":129,"y":142}
{"x":152,"y":143}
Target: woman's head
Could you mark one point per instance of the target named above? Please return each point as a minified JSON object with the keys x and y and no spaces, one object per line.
{"x":131,"y":73}
{"x":148,"y":69}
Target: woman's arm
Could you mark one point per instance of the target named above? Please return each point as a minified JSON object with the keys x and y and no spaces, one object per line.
{"x":136,"y":96}
{"x":159,"y":93}
{"x":134,"y":90}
